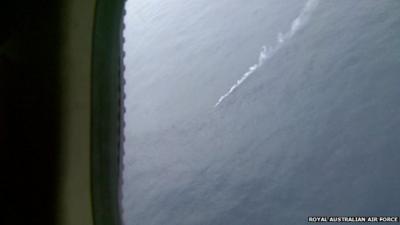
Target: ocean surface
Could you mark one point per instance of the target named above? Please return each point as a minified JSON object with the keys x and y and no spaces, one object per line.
{"x":256,"y":112}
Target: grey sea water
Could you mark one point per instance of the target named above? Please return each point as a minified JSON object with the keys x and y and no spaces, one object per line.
{"x":261,"y":111}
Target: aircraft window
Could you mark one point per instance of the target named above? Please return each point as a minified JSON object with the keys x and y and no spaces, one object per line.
{"x":260,"y":111}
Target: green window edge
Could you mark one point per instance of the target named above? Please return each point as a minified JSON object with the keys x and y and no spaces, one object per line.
{"x":107,"y":112}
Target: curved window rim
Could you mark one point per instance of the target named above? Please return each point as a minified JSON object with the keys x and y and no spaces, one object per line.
{"x":107,"y":110}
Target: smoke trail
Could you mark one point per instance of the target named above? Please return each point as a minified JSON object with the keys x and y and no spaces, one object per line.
{"x":267,"y":53}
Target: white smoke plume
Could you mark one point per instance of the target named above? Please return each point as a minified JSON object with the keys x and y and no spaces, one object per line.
{"x":267,"y":53}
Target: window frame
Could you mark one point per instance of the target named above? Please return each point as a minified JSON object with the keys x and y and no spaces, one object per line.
{"x":107,"y":112}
